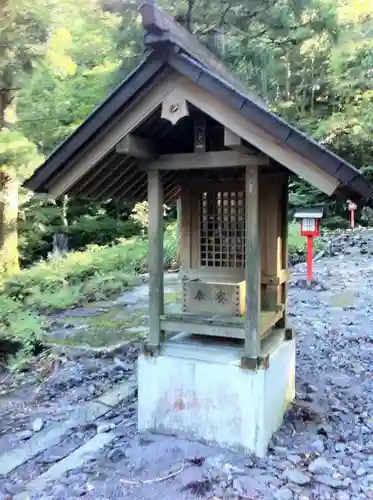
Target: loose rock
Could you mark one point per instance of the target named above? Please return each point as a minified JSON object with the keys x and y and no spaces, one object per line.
{"x":37,"y":425}
{"x":329,"y":481}
{"x":283,"y":494}
{"x":318,"y":445}
{"x":297,"y":476}
{"x":321,"y":466}
{"x":294,"y":459}
{"x":25,"y":435}
{"x":105,"y":427}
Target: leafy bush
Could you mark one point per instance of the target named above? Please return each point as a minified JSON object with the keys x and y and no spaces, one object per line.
{"x":19,"y":328}
{"x":336,"y":222}
{"x":36,"y":237}
{"x":81,"y":277}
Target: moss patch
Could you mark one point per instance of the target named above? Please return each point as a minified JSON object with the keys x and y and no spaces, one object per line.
{"x":105,"y":329}
{"x":343,"y":299}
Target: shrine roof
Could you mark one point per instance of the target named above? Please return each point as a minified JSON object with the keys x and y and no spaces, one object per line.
{"x":171,"y":48}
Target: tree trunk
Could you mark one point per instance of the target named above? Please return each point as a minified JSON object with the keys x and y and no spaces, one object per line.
{"x":9,"y":258}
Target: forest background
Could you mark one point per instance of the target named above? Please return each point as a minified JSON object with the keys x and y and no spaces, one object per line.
{"x":310,"y":60}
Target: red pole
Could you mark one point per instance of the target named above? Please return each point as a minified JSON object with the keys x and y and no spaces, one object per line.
{"x":352,"y":218}
{"x":309,"y":259}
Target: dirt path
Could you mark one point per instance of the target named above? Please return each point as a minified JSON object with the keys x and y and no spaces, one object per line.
{"x":70,"y":430}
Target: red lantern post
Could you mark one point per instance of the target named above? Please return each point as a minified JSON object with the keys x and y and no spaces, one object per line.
{"x":352,"y":208}
{"x":310,"y":228}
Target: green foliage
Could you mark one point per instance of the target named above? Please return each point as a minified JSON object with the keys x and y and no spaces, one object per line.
{"x":73,"y":77}
{"x":336,"y":222}
{"x":140,"y":214}
{"x":81,"y":277}
{"x":18,"y":326}
{"x":17,"y":151}
{"x":87,"y":223}
{"x":23,"y":33}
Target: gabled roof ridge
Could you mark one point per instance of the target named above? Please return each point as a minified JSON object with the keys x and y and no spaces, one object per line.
{"x":160,"y":28}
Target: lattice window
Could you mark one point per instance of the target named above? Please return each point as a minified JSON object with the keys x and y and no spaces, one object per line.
{"x":309,"y":225}
{"x":222,"y":229}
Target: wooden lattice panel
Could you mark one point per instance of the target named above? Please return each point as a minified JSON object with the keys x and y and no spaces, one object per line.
{"x":222,"y":229}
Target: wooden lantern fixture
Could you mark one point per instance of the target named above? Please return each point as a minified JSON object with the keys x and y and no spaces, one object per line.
{"x":310,"y":228}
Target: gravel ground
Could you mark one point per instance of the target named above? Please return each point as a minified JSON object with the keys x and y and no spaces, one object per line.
{"x":324,"y":449}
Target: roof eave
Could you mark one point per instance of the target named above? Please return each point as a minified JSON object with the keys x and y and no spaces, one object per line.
{"x":286,"y":134}
{"x":120,"y":96}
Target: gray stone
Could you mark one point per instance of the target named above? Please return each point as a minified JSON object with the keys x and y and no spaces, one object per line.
{"x":361,"y":472}
{"x":297,"y":476}
{"x":104,"y":427}
{"x":78,"y":491}
{"x":281,"y":451}
{"x":219,"y":492}
{"x":82,"y":415}
{"x":231,"y":469}
{"x":246,"y":485}
{"x":123,"y":365}
{"x":281,"y":465}
{"x":294,"y":459}
{"x":191,"y":475}
{"x":318,"y":445}
{"x":25,"y":435}
{"x":81,"y":312}
{"x":80,"y":456}
{"x":283,"y":494}
{"x":37,"y":424}
{"x":116,"y":454}
{"x":369,"y":447}
{"x":344,"y":470}
{"x":342,"y":495}
{"x":321,"y":466}
{"x":340,"y":447}
{"x":328,"y":481}
{"x":215,"y":461}
{"x":347,"y":481}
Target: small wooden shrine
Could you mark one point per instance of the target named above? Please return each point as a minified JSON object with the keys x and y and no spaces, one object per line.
{"x":233,"y":221}
{"x":182,"y":127}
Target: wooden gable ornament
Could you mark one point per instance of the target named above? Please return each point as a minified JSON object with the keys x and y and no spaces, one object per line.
{"x":174,"y":107}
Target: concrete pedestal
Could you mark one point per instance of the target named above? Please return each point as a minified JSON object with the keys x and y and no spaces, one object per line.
{"x":199,"y":391}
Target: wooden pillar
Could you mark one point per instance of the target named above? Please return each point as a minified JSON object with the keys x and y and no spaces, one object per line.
{"x":178,"y":235}
{"x":155,"y":256}
{"x":284,"y":249}
{"x":252,"y":266}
